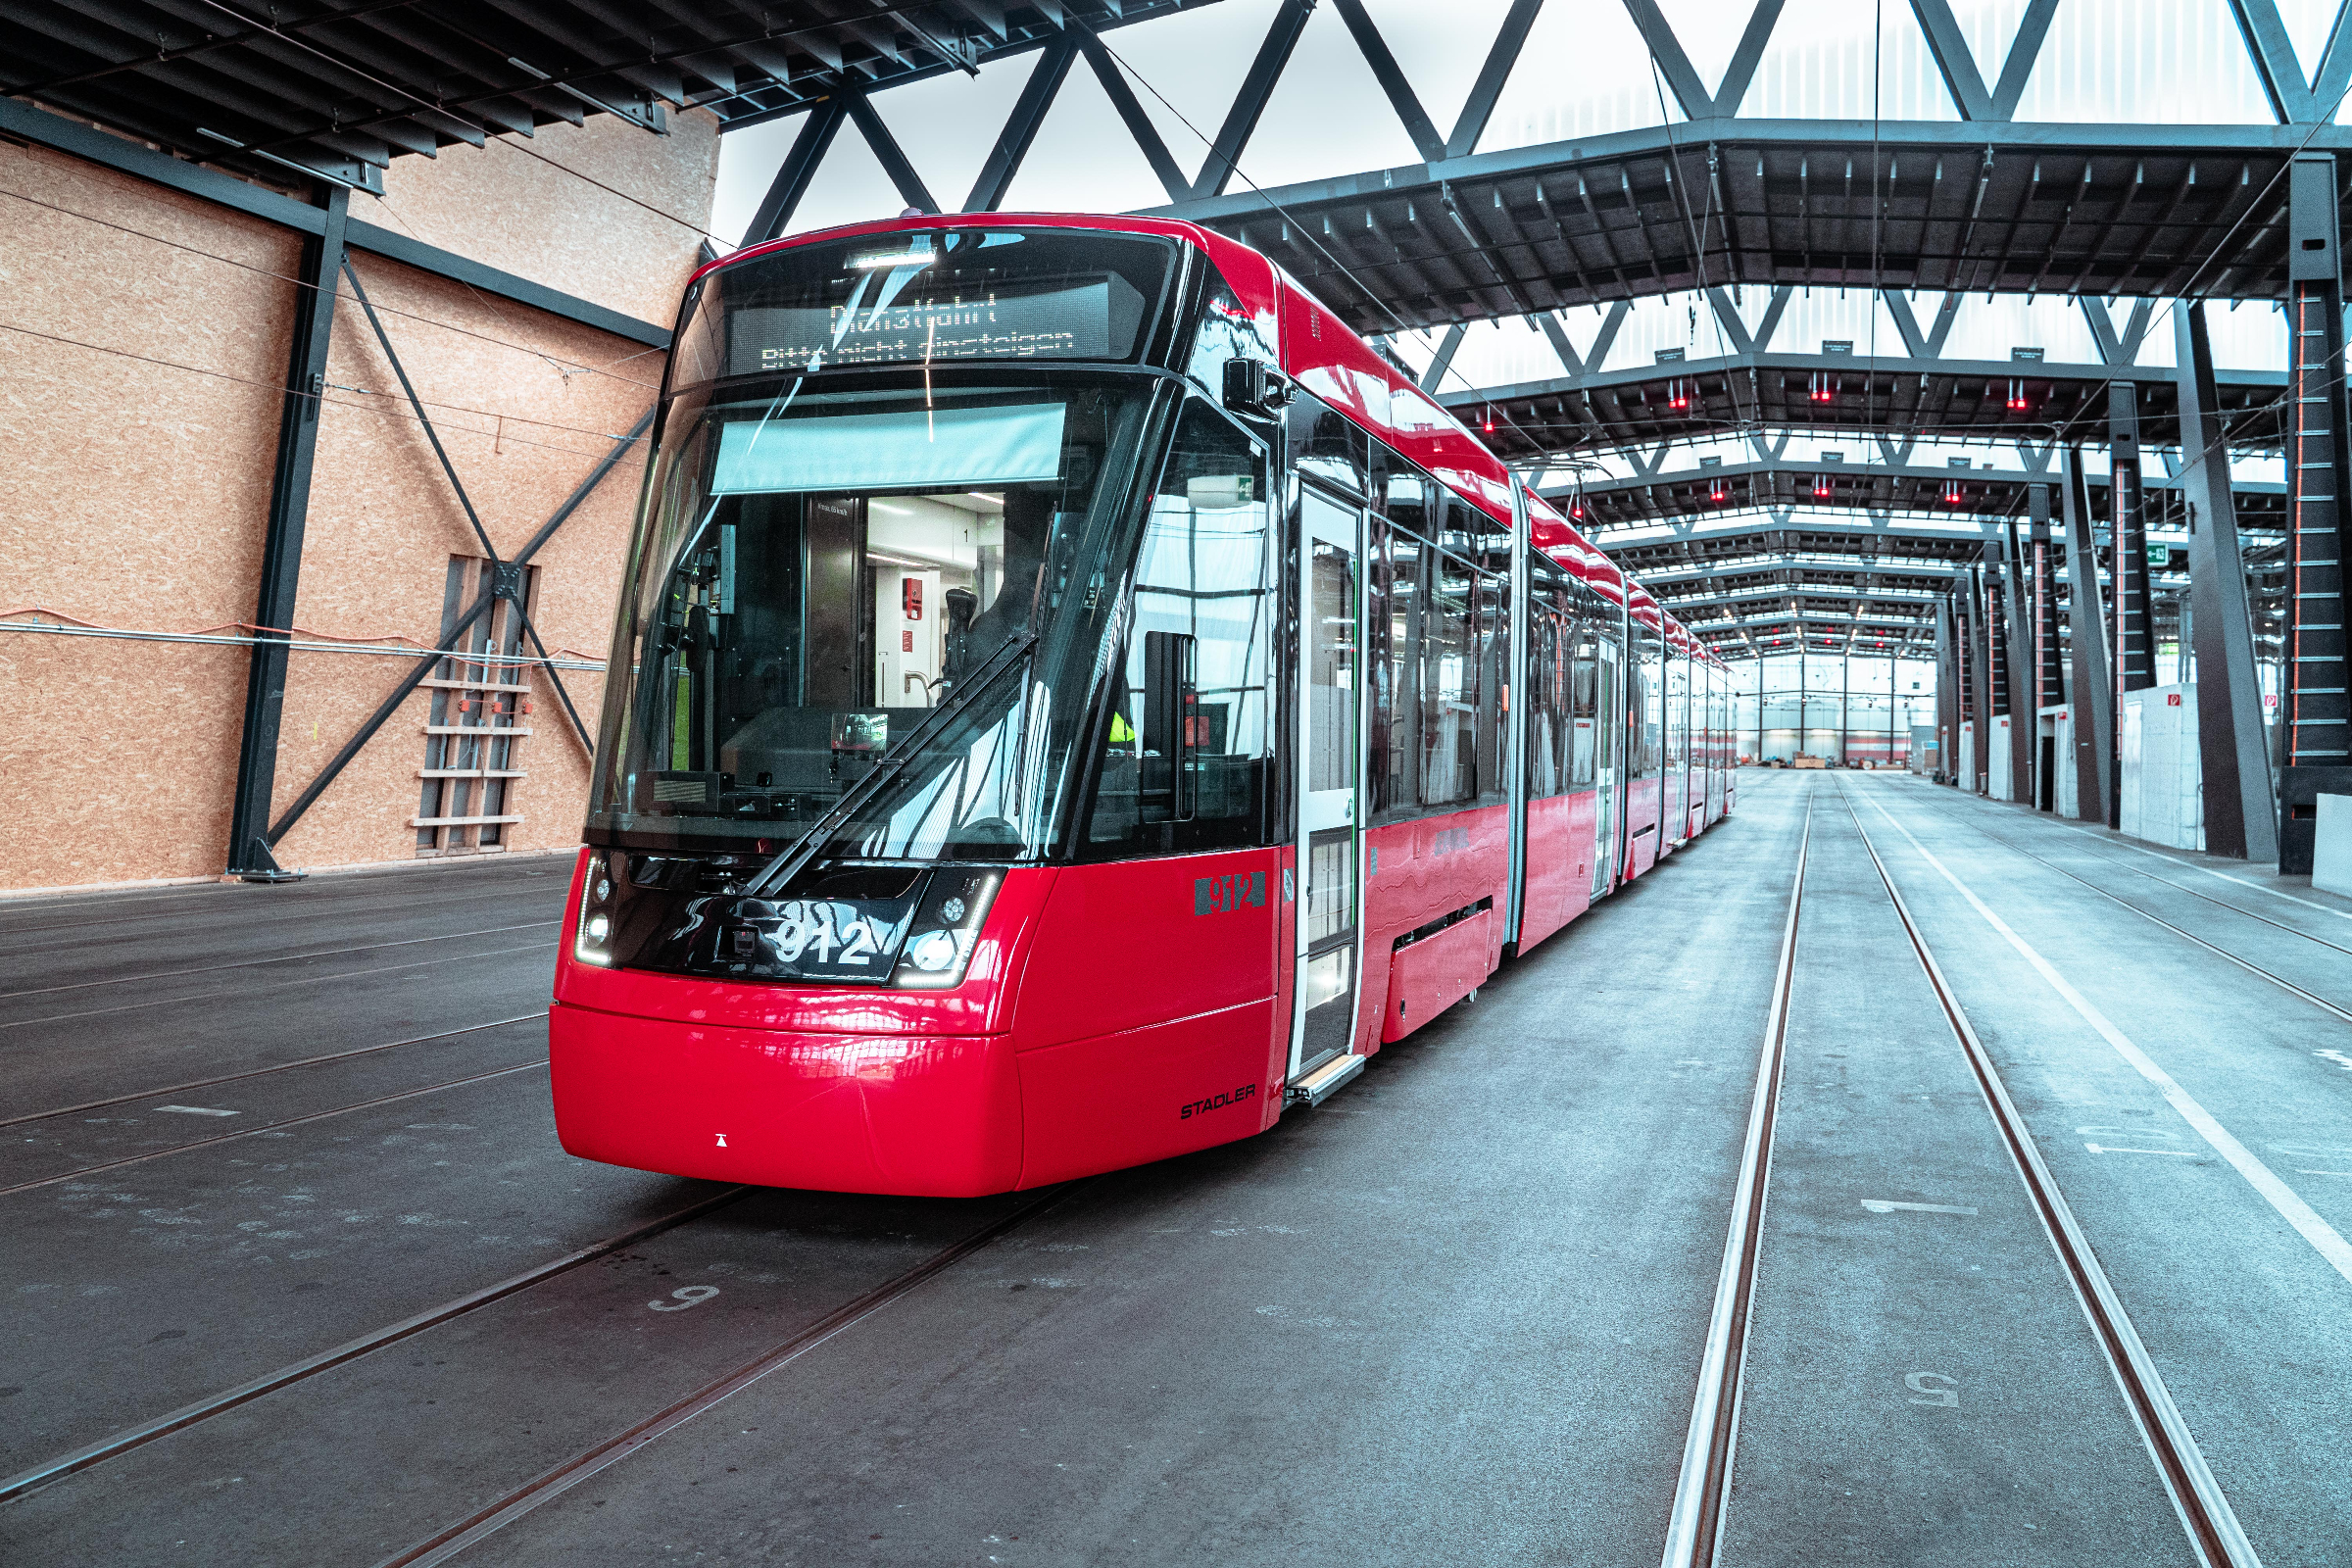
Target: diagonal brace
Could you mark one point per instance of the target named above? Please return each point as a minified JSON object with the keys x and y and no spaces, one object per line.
{"x":450,"y":640}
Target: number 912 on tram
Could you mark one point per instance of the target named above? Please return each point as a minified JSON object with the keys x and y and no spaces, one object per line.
{"x":1071,"y":699}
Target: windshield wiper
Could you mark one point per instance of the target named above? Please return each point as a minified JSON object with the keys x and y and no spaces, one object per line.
{"x":778,"y":873}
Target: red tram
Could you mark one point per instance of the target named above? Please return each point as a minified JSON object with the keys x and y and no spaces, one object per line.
{"x":1070,"y":699}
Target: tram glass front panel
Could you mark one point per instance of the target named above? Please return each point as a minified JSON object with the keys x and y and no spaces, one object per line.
{"x":870,"y":480}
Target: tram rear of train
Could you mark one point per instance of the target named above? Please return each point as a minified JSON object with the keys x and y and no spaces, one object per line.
{"x":1071,"y":698}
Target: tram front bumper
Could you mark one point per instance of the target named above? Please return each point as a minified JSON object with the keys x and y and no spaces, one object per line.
{"x":917,"y":1115}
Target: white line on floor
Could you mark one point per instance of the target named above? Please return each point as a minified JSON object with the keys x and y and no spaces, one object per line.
{"x":1885,"y":1206}
{"x":199,"y":1110}
{"x":2321,"y":1236}
{"x":2117,"y":1149}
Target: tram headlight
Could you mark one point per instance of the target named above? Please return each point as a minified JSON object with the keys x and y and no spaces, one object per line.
{"x":945,"y":928}
{"x":594,"y":942}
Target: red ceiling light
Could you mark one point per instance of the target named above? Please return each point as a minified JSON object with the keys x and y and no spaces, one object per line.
{"x":1678,"y":395}
{"x":1821,"y":391}
{"x":1953,"y":495}
{"x":1489,"y":429}
{"x":1821,"y":487}
{"x":2017,"y":396}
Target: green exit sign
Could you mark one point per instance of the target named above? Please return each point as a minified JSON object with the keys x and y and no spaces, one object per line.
{"x":2160,"y":554}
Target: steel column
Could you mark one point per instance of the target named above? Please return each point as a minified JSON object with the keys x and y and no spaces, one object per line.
{"x":321,"y":265}
{"x":2018,"y":643}
{"x":1947,"y":692}
{"x":2315,"y":708}
{"x":2048,"y":688}
{"x":1996,"y":702}
{"x":2127,"y":528}
{"x":2241,"y":809}
{"x":2093,"y":702}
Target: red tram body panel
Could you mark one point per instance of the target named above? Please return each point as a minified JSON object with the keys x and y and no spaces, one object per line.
{"x":1072,"y":698}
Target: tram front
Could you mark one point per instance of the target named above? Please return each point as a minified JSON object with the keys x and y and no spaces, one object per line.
{"x":881,"y":667}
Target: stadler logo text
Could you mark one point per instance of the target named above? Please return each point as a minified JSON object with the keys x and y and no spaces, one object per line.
{"x":1217,"y":1102}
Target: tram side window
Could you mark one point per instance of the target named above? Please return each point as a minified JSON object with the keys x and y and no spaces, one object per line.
{"x":1678,"y":708}
{"x":1407,"y":492}
{"x":1494,"y":595}
{"x":1640,"y":705}
{"x":1449,"y":682}
{"x":1184,"y":763}
{"x":1548,"y":745}
{"x":1587,"y":734}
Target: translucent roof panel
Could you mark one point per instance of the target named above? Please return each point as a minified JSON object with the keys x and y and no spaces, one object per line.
{"x":1440,"y":48}
{"x":1327,"y":115}
{"x":1083,"y":160}
{"x":1186,"y":71}
{"x":1585,"y":72}
{"x":1835,"y":60}
{"x":2145,"y":62}
{"x":2308,"y":24}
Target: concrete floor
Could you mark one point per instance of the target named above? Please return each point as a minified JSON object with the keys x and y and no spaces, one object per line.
{"x":1451,"y":1316}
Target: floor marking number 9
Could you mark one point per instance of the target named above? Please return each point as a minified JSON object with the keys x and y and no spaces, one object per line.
{"x":686,"y":1296}
{"x":1948,"y":1398}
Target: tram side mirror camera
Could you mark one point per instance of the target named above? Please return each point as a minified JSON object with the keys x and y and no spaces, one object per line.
{"x":1252,"y":386}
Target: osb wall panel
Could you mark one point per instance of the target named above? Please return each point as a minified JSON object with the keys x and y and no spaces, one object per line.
{"x":131,"y":496}
{"x":117,"y":759}
{"x":136,"y":495}
{"x":535,"y":207}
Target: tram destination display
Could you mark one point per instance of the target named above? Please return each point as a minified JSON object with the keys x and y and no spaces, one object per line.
{"x":1093,"y":320}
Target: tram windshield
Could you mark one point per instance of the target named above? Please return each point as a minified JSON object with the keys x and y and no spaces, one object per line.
{"x":817,"y":574}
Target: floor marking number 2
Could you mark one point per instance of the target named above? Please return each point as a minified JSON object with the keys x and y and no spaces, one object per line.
{"x":1948,"y":1398}
{"x":684,"y":1296}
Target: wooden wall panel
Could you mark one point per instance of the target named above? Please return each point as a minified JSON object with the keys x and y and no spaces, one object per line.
{"x":145,"y":503}
{"x":131,"y":496}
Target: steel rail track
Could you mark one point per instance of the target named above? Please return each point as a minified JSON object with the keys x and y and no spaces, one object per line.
{"x":548,"y":1485}
{"x":146,"y":1432}
{"x":307,"y":909}
{"x":2204,"y":1510}
{"x":275,"y":984}
{"x":2247,"y":965}
{"x":1694,"y":1525}
{"x":2225,"y":904}
{"x":287,"y":958}
{"x":262,"y":1072}
{"x":270,"y":1127}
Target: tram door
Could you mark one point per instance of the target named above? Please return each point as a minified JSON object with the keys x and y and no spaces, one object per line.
{"x":1330,"y":743}
{"x":1609,"y":694}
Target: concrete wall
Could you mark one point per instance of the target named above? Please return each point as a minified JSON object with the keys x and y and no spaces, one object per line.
{"x":136,"y":493}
